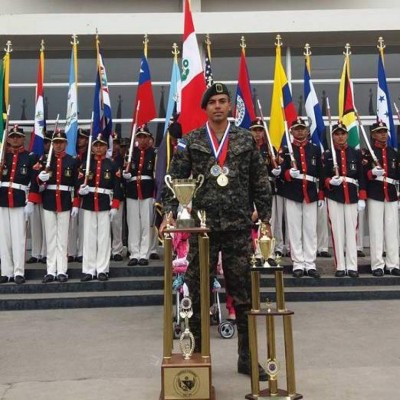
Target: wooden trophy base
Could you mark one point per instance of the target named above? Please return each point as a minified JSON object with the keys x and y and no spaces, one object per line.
{"x":282,"y":395}
{"x":186,"y":379}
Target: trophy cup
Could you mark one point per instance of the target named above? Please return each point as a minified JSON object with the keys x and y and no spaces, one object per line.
{"x":184,"y":190}
{"x":265,"y":244}
{"x":186,"y":341}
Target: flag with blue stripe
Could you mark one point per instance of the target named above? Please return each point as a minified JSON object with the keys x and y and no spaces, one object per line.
{"x":71,"y":124}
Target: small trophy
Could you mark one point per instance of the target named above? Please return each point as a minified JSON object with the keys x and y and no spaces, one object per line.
{"x":186,"y":341}
{"x":203,"y":218}
{"x":184,"y":190}
{"x":265,"y":244}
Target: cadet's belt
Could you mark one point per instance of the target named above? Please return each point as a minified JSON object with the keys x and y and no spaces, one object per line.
{"x":388,"y":180}
{"x":15,"y":186}
{"x":100,"y":190}
{"x":140,"y":178}
{"x":64,"y":188}
{"x":307,"y":177}
{"x":350,"y":180}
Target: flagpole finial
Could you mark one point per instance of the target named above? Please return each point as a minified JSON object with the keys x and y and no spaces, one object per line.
{"x":145,"y":44}
{"x":175,"y":50}
{"x":8,"y":48}
{"x":347,"y":50}
{"x":207,"y":41}
{"x":307,"y":50}
{"x":243,"y":42}
{"x":42,"y":45}
{"x":381,"y":44}
{"x":75,"y":40}
{"x":278,"y":42}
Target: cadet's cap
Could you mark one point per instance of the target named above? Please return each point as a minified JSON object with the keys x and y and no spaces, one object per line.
{"x":59,"y":135}
{"x":257,"y":123}
{"x":143,"y":131}
{"x":175,"y":130}
{"x":339,"y":127}
{"x":83,"y":132}
{"x":298,"y":122}
{"x":17,"y":131}
{"x":116,"y":138}
{"x":100,"y":139}
{"x":48,"y":136}
{"x":214,"y":89}
{"x":377,"y":126}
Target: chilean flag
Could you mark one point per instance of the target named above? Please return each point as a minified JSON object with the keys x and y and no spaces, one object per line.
{"x":145,"y":95}
{"x":244,"y":108}
{"x":193,"y":85}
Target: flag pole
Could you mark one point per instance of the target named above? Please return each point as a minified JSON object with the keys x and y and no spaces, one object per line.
{"x":289,"y":143}
{"x":380,"y":46}
{"x":8,"y":51}
{"x":334,"y":158}
{"x":271,"y":148}
{"x":87,"y":172}
{"x":75,"y":43}
{"x":3,"y":142}
{"x":132,"y":138}
{"x":50,"y":154}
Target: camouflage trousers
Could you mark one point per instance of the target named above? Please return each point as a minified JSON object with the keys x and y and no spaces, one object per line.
{"x":236,"y":249}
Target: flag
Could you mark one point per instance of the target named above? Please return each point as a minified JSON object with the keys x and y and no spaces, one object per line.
{"x":244,"y":107}
{"x":384,"y":105}
{"x":4,"y":89}
{"x":208,"y":75}
{"x":313,"y":109}
{"x":346,"y":105}
{"x":102,"y":117}
{"x":37,"y":140}
{"x":174,"y":96}
{"x":71,"y":124}
{"x":147,"y":110}
{"x":160,"y":125}
{"x":280,"y":93}
{"x":193,"y":85}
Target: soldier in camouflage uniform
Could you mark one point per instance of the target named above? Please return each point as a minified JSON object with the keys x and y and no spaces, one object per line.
{"x":236,"y":178}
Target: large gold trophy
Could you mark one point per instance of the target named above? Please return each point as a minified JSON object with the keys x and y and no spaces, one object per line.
{"x":271,"y":364}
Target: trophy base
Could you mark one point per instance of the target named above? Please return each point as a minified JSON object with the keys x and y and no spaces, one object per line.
{"x":185,"y":223}
{"x":281,"y":395}
{"x":183,"y":379}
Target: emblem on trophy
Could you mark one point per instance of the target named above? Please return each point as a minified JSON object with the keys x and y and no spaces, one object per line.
{"x":186,"y":341}
{"x":265,"y":244}
{"x":184,"y":190}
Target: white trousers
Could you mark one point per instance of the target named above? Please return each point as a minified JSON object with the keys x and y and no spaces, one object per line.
{"x":56,"y":225}
{"x":75,"y":235}
{"x":322,"y":229}
{"x":139,"y":215}
{"x":116,"y":231}
{"x":96,"y":242}
{"x":12,"y":242}
{"x":362,"y":215}
{"x":278,"y":219}
{"x":153,"y":240}
{"x":383,"y":222}
{"x":343,"y":221}
{"x":302,"y":227}
{"x":38,"y":235}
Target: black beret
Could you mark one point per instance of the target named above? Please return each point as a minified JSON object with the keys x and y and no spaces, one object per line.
{"x":16,"y":130}
{"x":339,"y":127}
{"x":377,"y":126}
{"x":59,"y":135}
{"x":298,"y":122}
{"x":175,"y":130}
{"x":214,"y":89}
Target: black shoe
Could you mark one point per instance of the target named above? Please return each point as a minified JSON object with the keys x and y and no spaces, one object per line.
{"x":62,"y":278}
{"x":352,"y":274}
{"x":86,"y":278}
{"x":102,"y":277}
{"x":118,"y":257}
{"x":244,"y":367}
{"x":43,"y":260}
{"x":298,"y":273}
{"x":272,"y":262}
{"x":378,"y":272}
{"x":4,"y":279}
{"x":323,"y":254}
{"x":154,"y":256}
{"x":395,"y":271}
{"x":259,"y":262}
{"x":79,"y":259}
{"x":48,"y":278}
{"x":19,"y":280}
{"x":32,"y":260}
{"x":71,"y":259}
{"x":384,"y":254}
{"x":143,"y":261}
{"x":132,"y":261}
{"x":360,"y":253}
{"x":313,"y":273}
{"x":340,"y":274}
{"x":278,"y":254}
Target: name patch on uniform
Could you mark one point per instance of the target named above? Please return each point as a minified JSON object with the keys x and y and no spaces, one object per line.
{"x":107,"y":174}
{"x":313,"y":161}
{"x":353,"y":166}
{"x":24,"y":170}
{"x":181,"y":145}
{"x":393,"y":164}
{"x":5,"y":171}
{"x":68,"y":172}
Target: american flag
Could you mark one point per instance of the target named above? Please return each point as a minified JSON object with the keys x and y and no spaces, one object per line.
{"x":208,"y":72}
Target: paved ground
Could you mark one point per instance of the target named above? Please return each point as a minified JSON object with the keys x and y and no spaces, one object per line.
{"x":343,"y":350}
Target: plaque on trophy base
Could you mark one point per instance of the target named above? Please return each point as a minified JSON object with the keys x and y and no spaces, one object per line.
{"x":186,"y":378}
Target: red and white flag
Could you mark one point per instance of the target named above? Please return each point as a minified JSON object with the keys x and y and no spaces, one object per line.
{"x":193,"y":85}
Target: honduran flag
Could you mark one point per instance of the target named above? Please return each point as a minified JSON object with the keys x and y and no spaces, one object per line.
{"x":37,"y":141}
{"x":244,"y":107}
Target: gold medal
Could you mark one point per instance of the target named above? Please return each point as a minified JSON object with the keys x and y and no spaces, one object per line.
{"x":222,"y":180}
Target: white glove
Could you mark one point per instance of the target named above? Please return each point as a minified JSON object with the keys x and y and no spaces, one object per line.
{"x":83,"y":190}
{"x":377,"y":171}
{"x":41,"y":188}
{"x":321,"y":203}
{"x":126,"y":175}
{"x":276,"y":171}
{"x":28,"y":210}
{"x":336,"y":181}
{"x":361,"y":205}
{"x":113,"y":213}
{"x":74,"y":212}
{"x":44,"y":176}
{"x":294,"y":173}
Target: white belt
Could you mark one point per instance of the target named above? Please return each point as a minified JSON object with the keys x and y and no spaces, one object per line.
{"x":14,"y":186}
{"x":350,"y":180}
{"x":388,"y":180}
{"x":64,"y":188}
{"x":307,"y":177}
{"x":100,"y":190}
{"x":140,"y":178}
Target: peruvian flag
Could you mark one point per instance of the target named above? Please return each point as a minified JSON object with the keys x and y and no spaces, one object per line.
{"x":193,"y":85}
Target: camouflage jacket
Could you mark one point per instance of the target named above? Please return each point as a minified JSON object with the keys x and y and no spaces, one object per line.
{"x":229,"y":207}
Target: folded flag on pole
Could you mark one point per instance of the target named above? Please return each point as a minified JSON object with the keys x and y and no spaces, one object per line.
{"x":4,"y":88}
{"x":244,"y":107}
{"x":208,"y":75}
{"x":71,"y":125}
{"x":37,"y":140}
{"x":193,"y":85}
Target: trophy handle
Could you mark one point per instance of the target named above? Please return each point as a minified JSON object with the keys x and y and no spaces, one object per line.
{"x":199,"y":183}
{"x":168,"y":182}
